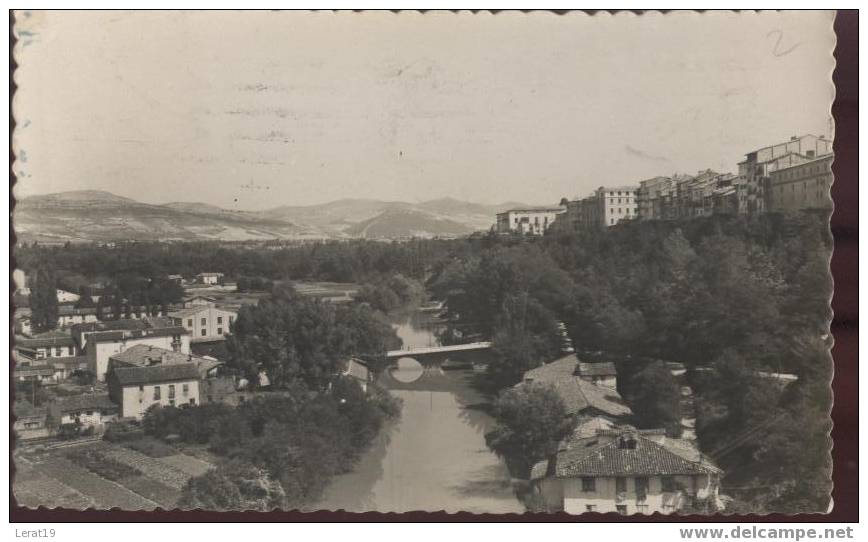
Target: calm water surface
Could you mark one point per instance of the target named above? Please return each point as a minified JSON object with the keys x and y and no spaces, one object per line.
{"x":434,"y":458}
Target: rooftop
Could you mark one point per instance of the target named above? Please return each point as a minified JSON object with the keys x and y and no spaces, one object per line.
{"x":134,"y":376}
{"x":143,"y":355}
{"x":110,"y":336}
{"x":76,"y":403}
{"x":612,"y":458}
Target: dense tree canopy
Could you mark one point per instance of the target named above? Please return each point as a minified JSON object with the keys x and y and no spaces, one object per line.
{"x":294,"y":338}
{"x":531,"y":421}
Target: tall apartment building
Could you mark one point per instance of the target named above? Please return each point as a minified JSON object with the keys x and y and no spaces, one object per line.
{"x":800,"y":184}
{"x":757,"y":165}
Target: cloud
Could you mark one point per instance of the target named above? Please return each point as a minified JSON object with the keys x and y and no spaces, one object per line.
{"x":642,"y":154}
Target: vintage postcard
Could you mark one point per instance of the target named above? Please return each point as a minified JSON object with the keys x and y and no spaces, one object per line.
{"x":442,"y":261}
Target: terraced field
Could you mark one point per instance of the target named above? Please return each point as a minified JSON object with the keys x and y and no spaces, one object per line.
{"x":52,"y":479}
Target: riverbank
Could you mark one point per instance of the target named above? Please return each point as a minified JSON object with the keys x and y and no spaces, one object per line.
{"x":434,"y":457}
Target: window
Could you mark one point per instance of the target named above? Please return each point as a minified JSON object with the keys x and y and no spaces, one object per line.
{"x":590,"y":508}
{"x":171,"y":391}
{"x":219,"y":319}
{"x":141,"y":388}
{"x":589,"y":484}
{"x":156,"y":393}
{"x":219,"y":331}
{"x":185,"y":388}
{"x":58,"y":351}
{"x":204,"y":321}
{"x":193,"y":401}
{"x":204,"y":332}
{"x":667,"y":484}
{"x":189,"y":322}
{"x":620,"y":485}
{"x":171,"y":402}
{"x":642,"y":508}
{"x":622,"y":509}
{"x":641,"y":488}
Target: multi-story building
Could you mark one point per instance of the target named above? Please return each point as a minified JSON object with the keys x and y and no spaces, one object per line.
{"x":756,"y":166}
{"x":613,"y":204}
{"x":800,"y":184}
{"x":136,"y":389}
{"x":653,"y":196}
{"x":534,"y":221}
{"x":605,"y":468}
{"x":101,"y":345}
{"x":205,"y":322}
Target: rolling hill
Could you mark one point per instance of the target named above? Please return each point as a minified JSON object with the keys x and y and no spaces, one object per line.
{"x":90,"y":215}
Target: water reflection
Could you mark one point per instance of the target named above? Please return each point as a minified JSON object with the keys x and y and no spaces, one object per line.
{"x":433,"y":458}
{"x":407,"y":370}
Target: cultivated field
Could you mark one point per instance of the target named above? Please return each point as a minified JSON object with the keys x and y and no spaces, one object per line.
{"x":60,"y":478}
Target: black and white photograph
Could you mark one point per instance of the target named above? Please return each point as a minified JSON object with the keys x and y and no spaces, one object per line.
{"x":441,"y":261}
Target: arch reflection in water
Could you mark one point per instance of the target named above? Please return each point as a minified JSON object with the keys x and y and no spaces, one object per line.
{"x":407,"y":370}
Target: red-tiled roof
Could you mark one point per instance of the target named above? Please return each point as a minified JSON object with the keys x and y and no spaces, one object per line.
{"x":647,"y":458}
{"x":134,"y":376}
{"x":76,"y":403}
{"x":556,"y":370}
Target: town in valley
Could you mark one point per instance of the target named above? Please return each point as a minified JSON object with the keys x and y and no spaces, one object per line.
{"x":558,"y":265}
{"x":164,"y":374}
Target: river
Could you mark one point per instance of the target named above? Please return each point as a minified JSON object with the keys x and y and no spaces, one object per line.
{"x":434,"y":458}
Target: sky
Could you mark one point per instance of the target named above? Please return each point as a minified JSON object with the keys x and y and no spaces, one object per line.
{"x":253,"y":110}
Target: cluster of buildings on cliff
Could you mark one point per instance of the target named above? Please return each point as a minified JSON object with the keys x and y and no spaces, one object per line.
{"x":785,"y":177}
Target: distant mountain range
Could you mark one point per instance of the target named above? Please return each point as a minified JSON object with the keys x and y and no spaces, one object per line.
{"x":92,"y":215}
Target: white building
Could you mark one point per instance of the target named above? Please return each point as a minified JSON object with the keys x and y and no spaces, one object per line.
{"x":67,"y":297}
{"x":623,"y":470}
{"x":136,"y":389}
{"x":101,"y":345}
{"x":205,"y":322}
{"x":528,"y":221}
{"x":91,"y":410}
{"x":209,"y":278}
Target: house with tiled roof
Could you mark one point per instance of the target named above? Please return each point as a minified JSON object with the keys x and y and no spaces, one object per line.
{"x":606,"y":468}
{"x":52,"y":344}
{"x":91,"y":410}
{"x":577,"y":389}
{"x":204,"y":321}
{"x":358,"y":370}
{"x":100,"y":345}
{"x":137,"y":388}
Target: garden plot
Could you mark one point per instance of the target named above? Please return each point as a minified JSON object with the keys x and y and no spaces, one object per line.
{"x":192,"y":466}
{"x":33,"y":489}
{"x":151,"y":467}
{"x":104,"y":493}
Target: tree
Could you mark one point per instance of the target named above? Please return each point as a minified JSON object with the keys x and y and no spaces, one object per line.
{"x":655,"y":398}
{"x":234,"y":485}
{"x":531,"y":421}
{"x":43,"y":301}
{"x":296,"y":338}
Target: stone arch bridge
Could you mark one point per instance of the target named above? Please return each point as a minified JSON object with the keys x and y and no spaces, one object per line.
{"x":441,"y":365}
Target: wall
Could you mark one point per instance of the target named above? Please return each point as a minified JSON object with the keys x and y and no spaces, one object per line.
{"x":576,"y":501}
{"x":212,"y":329}
{"x":137,"y":399}
{"x":98,"y":354}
